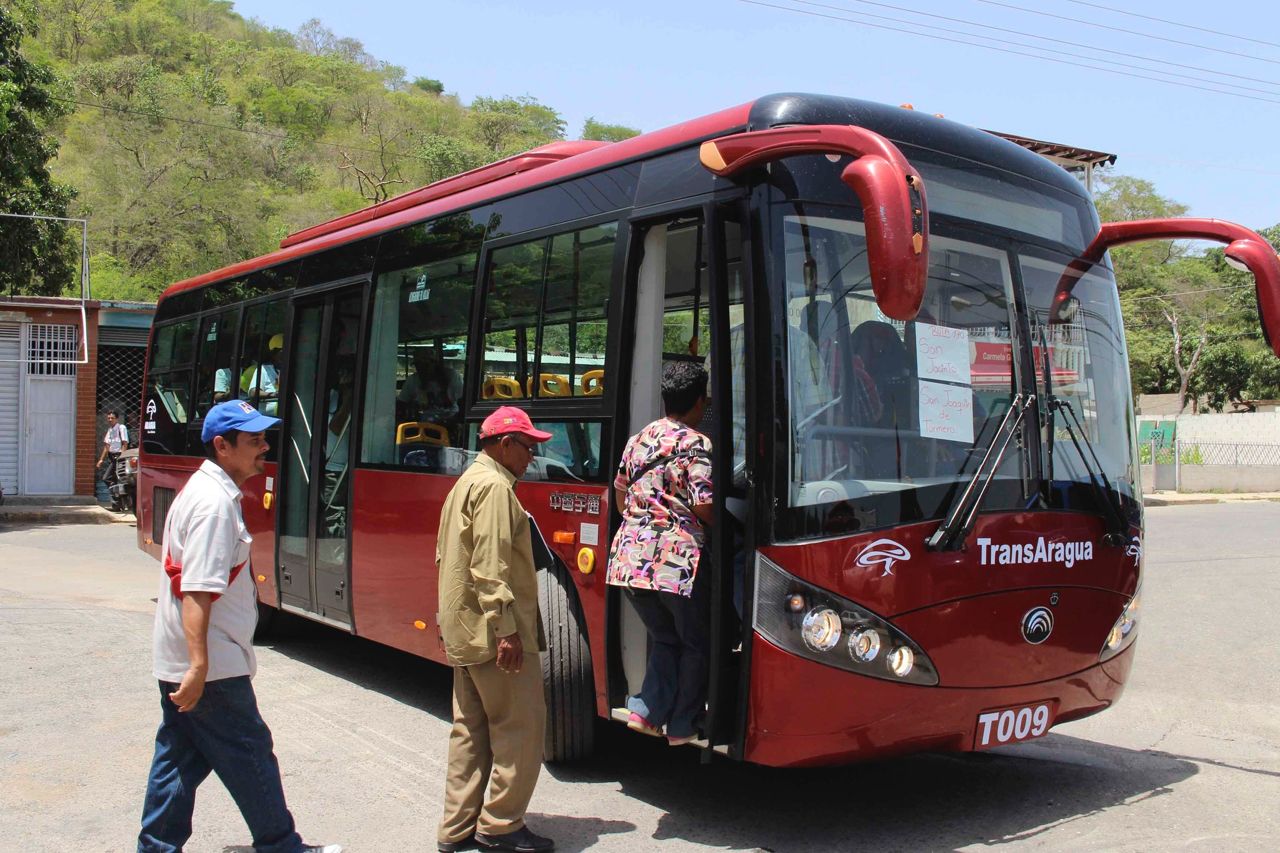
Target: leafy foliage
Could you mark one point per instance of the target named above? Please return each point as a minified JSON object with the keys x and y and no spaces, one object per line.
{"x":196,"y":138}
{"x":36,"y":256}
{"x":1191,"y":321}
{"x":592,"y":129}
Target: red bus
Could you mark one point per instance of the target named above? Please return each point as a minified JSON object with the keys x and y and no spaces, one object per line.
{"x":928,"y":522}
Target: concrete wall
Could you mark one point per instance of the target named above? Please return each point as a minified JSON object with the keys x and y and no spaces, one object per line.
{"x":1246,"y":428}
{"x":1229,"y":478}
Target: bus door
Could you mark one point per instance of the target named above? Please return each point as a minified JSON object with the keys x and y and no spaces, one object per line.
{"x":688,"y":306}
{"x":320,"y":411}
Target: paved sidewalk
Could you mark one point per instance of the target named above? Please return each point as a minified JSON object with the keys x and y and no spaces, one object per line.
{"x":1191,"y":498}
{"x":72,"y":509}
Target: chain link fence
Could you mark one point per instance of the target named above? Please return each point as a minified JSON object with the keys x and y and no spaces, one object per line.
{"x":120,"y":390}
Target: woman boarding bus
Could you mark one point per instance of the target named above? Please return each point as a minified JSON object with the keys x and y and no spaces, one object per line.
{"x":923,"y":437}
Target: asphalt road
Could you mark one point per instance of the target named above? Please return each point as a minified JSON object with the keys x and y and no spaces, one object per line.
{"x":1189,"y":759}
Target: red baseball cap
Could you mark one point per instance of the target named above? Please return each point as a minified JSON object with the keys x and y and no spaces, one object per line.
{"x":510,"y":419}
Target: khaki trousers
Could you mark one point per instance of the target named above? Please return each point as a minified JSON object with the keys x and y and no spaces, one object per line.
{"x":495,"y":748}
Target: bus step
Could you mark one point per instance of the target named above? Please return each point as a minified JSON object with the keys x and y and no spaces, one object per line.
{"x":621,"y":715}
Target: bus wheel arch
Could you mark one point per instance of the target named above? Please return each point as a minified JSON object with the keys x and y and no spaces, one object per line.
{"x":567,"y":678}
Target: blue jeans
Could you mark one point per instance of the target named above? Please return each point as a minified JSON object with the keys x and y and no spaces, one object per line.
{"x":224,"y":734}
{"x":675,"y":679}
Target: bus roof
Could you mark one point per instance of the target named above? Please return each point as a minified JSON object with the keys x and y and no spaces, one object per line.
{"x":561,"y":160}
{"x":547,"y":164}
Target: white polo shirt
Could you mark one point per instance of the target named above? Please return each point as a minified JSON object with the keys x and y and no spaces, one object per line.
{"x":205,"y":536}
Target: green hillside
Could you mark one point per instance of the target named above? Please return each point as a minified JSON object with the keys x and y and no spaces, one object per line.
{"x":193,"y":137}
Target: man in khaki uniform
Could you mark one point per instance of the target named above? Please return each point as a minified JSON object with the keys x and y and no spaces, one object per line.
{"x":493,"y":636}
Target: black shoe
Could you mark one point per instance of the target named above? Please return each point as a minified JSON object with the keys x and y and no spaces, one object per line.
{"x":454,"y":846}
{"x":520,"y":841}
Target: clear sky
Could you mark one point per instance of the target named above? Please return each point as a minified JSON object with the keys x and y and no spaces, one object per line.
{"x":655,"y":63}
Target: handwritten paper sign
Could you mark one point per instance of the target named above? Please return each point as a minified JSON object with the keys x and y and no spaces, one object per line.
{"x":946,"y":412}
{"x":942,"y":353}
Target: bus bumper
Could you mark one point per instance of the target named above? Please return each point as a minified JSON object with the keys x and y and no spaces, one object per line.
{"x":805,"y":714}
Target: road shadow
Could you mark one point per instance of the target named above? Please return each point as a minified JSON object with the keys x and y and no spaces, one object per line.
{"x":921,"y":802}
{"x":398,"y":675}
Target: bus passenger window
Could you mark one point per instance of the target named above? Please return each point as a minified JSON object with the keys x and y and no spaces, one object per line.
{"x":217,"y":353}
{"x":546,"y":316}
{"x":571,"y":455}
{"x":262,"y":357}
{"x":575,"y":321}
{"x":167,"y":405}
{"x":418,"y":346}
{"x":513,"y":291}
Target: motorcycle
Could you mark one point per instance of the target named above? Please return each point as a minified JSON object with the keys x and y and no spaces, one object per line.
{"x":124,"y":487}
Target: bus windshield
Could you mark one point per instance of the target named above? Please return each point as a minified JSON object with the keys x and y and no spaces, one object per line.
{"x":888,"y":421}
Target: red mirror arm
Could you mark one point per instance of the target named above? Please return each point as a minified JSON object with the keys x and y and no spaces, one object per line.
{"x":1245,"y":247}
{"x":889,"y":187}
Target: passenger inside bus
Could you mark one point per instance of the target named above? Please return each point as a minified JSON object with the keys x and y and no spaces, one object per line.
{"x":432,"y":392}
{"x":262,"y":385}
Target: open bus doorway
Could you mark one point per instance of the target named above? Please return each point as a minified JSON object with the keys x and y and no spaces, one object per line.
{"x":689,"y":307}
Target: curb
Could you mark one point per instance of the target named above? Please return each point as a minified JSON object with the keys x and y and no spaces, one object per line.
{"x":62,"y":515}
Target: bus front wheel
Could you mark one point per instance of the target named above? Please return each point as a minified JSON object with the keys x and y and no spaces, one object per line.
{"x":566,"y":670}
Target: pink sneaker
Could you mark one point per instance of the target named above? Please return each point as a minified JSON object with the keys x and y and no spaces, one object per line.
{"x":681,"y":741}
{"x":637,"y":723}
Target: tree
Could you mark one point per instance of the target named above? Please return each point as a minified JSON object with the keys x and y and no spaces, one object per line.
{"x":592,"y":129}
{"x":35,"y":255}
{"x":510,"y":125}
{"x":428,"y":85}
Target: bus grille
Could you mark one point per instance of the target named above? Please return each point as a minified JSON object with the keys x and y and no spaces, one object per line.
{"x":161,"y":500}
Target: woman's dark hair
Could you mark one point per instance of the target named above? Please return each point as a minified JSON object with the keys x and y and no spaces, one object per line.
{"x":683,"y":384}
{"x":232,"y":436}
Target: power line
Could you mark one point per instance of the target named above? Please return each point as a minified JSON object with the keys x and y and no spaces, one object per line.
{"x":1131,"y":55}
{"x":1128,"y":32}
{"x":1173,"y":23}
{"x":915,"y":31}
{"x":280,"y":137}
{"x":1190,"y":292}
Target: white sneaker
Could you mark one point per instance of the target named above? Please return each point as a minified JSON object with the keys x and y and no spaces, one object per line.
{"x":322,"y":848}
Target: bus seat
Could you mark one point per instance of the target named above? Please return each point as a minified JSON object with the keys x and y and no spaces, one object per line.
{"x":551,"y":385}
{"x":593,"y":383}
{"x":421,"y":432}
{"x":500,"y":388}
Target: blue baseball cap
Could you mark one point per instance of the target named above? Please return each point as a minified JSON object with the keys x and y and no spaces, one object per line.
{"x":234,"y":414}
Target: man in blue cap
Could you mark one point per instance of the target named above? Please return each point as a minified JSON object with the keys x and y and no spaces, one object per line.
{"x":203,"y":651}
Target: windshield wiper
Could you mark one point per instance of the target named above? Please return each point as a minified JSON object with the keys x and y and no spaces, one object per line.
{"x":1117,"y":528}
{"x":951,"y":534}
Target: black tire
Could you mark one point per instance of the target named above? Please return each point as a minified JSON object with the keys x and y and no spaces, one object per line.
{"x":566,"y":670}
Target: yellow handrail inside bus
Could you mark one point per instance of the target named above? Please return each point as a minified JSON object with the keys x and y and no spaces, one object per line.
{"x":500,"y":388}
{"x":422,"y":432}
{"x":593,"y":383}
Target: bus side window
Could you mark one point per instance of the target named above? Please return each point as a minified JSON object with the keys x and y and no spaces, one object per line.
{"x":572,"y":455}
{"x":261,"y":361}
{"x":167,"y":406}
{"x":546,"y":316}
{"x":418,"y":346}
{"x":216,"y":347}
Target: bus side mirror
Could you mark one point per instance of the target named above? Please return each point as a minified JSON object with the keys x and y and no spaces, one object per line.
{"x":889,"y":187}
{"x":1246,"y":250}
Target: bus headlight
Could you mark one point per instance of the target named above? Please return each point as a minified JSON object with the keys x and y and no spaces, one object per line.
{"x":864,"y":644}
{"x":901,"y":660}
{"x":810,"y":622}
{"x":821,"y":629}
{"x":1122,"y":633}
